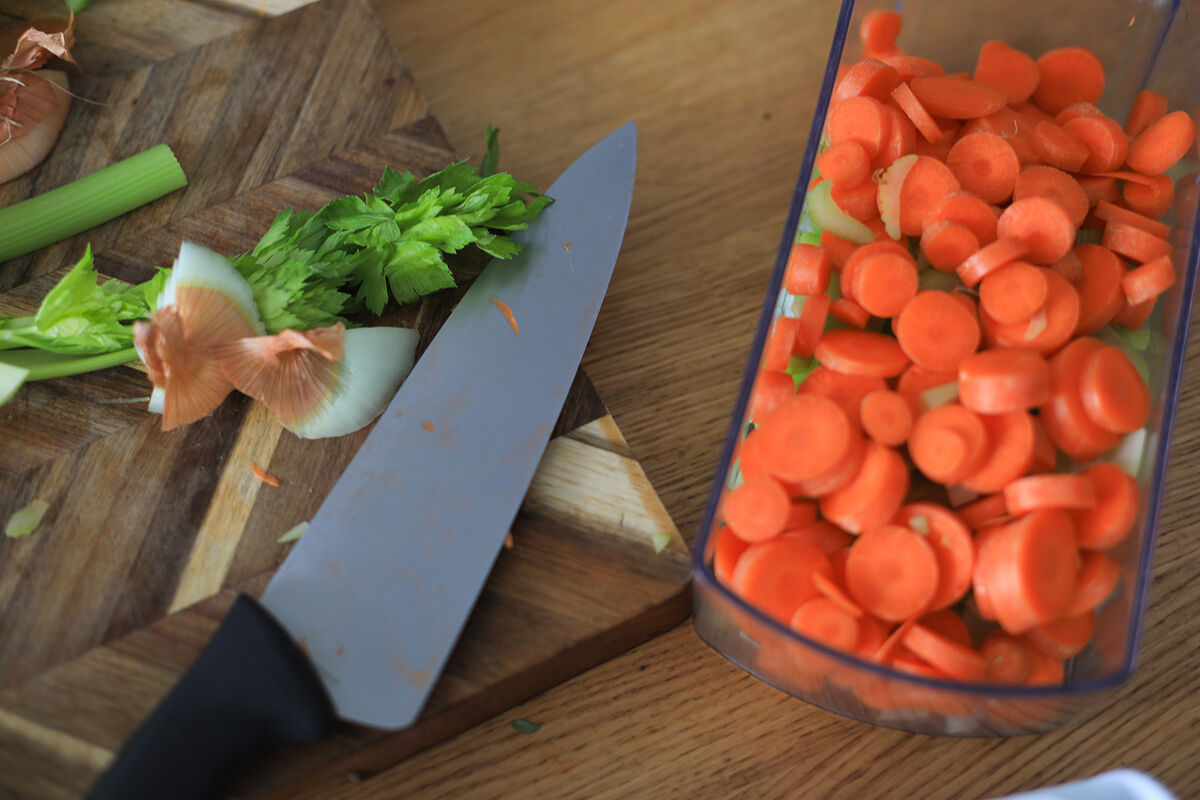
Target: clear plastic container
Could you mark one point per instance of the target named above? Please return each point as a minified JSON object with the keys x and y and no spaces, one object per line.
{"x":1142,"y":44}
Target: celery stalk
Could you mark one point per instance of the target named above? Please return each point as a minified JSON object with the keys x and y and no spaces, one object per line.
{"x":89,"y":201}
{"x":41,"y":365}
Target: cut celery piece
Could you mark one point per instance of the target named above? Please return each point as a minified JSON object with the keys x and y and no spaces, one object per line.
{"x":826,"y":214}
{"x":41,"y":365}
{"x":11,"y":378}
{"x":938,"y":396}
{"x":89,"y":201}
{"x":1129,"y":452}
{"x":24,"y":521}
{"x":888,"y":194}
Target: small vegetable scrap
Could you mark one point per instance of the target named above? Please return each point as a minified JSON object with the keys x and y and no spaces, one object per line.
{"x":525,"y":726}
{"x":34,"y":100}
{"x":263,"y":476}
{"x":25,"y":520}
{"x":940,"y":462}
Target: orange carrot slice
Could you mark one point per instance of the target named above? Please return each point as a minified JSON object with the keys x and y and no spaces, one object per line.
{"x":845,"y":163}
{"x":1041,"y":224}
{"x":862,"y":353}
{"x":1013,"y":293}
{"x":770,"y":389}
{"x":869,"y":78}
{"x":1152,"y":198}
{"x":1144,"y":283}
{"x":812,"y":323}
{"x":824,"y":620}
{"x":1063,"y":415}
{"x":952,"y":546}
{"x":1098,"y":576}
{"x":1134,"y":243}
{"x":986,"y":165}
{"x":1068,"y":75}
{"x":808,"y":270}
{"x":845,"y":390}
{"x":1012,"y":440}
{"x":1113,"y":393}
{"x":862,"y":120}
{"x":949,"y":657}
{"x":757,"y":509}
{"x":952,"y":98}
{"x":986,"y":511}
{"x":879,"y":29}
{"x":1044,"y":669}
{"x":849,"y":312}
{"x":886,"y":417}
{"x":874,"y":494}
{"x":1046,"y":331}
{"x":728,"y":550}
{"x":1116,"y":508}
{"x":990,"y":258}
{"x":1052,"y":183}
{"x":1099,"y":287}
{"x":892,"y":573}
{"x":1058,"y":147}
{"x":946,"y":244}
{"x":1003,"y":380}
{"x":776,"y":576}
{"x":1107,"y":144}
{"x":1065,"y":637}
{"x":883,"y":283}
{"x":1162,"y":144}
{"x":805,"y":437}
{"x":1148,"y":107}
{"x":1065,"y":491}
{"x":825,"y":535}
{"x":781,"y":344}
{"x":926,"y":183}
{"x":948,"y":443}
{"x":1006,"y":657}
{"x":968,"y":210}
{"x":920,"y":117}
{"x":1029,"y":567}
{"x":832,"y":590}
{"x":1007,"y":69}
{"x":936,"y":331}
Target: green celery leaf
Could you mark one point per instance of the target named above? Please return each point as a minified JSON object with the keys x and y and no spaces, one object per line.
{"x":491,"y":152}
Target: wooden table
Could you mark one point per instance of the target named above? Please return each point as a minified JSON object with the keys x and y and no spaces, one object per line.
{"x":723,"y":92}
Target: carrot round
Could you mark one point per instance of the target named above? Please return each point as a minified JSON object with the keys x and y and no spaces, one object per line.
{"x":801,"y":514}
{"x":825,"y":535}
{"x":824,"y":621}
{"x":1098,"y":187}
{"x":872,"y":635}
{"x":910,"y":67}
{"x":757,"y":509}
{"x":1005,"y":68}
{"x":1134,"y":315}
{"x":947,"y":622}
{"x":1148,"y":107}
{"x":986,"y":165}
{"x":805,"y":437}
{"x":837,"y":476}
{"x":1116,"y":508}
{"x":1113,"y":393}
{"x":844,"y":389}
{"x":812,"y":323}
{"x":1068,"y":75}
{"x":983,"y":512}
{"x":1052,"y":183}
{"x":968,"y":210}
{"x":952,"y":546}
{"x":858,"y":201}
{"x":1076,"y":111}
{"x":849,"y":312}
{"x":1144,"y":283}
{"x":862,"y":120}
{"x":952,"y":98}
{"x":1064,"y":637}
{"x":749,"y":456}
{"x":1012,"y":440}
{"x":1098,"y":576}
{"x":948,"y":443}
{"x":990,"y":258}
{"x":1106,"y":142}
{"x":770,"y":389}
{"x":781,"y":344}
{"x":892,"y":573}
{"x":1158,"y":147}
{"x":1047,"y":330}
{"x":838,"y":249}
{"x":901,"y":139}
{"x":1063,"y":415}
{"x":1041,"y":224}
{"x":920,"y":117}
{"x":834,"y":591}
{"x":845,"y":163}
{"x":1001,"y":380}
{"x":1029,"y":567}
{"x":808,"y":269}
{"x":776,"y":576}
{"x":940,"y":147}
{"x":1152,"y":198}
{"x":1044,"y":669}
{"x":1013,"y":293}
{"x":861,"y":353}
{"x":927,"y":182}
{"x":948,"y":656}
{"x":1065,"y":491}
{"x":1058,"y":147}
{"x":1045,"y":454}
{"x":936,"y":331}
{"x":1099,"y":287}
{"x":869,"y":78}
{"x":883,"y":283}
{"x":1134,"y":243}
{"x":946,"y":244}
{"x":886,"y":417}
{"x":1006,"y":657}
{"x":879,"y":30}
{"x":728,"y":550}
{"x":863,"y":252}
{"x":874,"y":494}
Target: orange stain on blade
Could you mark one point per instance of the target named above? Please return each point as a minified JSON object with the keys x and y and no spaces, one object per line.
{"x":508,"y":314}
{"x":263,"y":475}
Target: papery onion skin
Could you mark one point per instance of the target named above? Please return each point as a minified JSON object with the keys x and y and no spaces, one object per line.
{"x":33,"y":109}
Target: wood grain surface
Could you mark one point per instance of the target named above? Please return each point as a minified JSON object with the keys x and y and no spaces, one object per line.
{"x":150,"y":535}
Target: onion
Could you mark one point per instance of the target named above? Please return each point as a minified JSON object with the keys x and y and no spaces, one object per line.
{"x":33,"y":108}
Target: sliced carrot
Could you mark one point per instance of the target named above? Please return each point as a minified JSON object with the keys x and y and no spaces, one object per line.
{"x":812,"y":323}
{"x":990,"y":257}
{"x":1053,"y":183}
{"x":808,"y":269}
{"x":892,"y":573}
{"x":1098,"y":188}
{"x":952,"y":546}
{"x":1113,"y":517}
{"x":1068,"y":75}
{"x":1045,"y":454}
{"x":910,"y":67}
{"x":1098,"y":286}
{"x":1134,"y":315}
{"x":837,"y":476}
{"x":1148,"y":107}
{"x":1134,"y":243}
{"x":901,"y":140}
{"x":837,"y":248}
{"x":1065,"y":420}
{"x":927,"y":182}
{"x":1153,"y":197}
{"x":1064,"y":637}
{"x":863,"y":252}
{"x":1041,"y":224}
{"x":953,"y":98}
{"x":770,"y":389}
{"x":1162,"y":144}
{"x":939,"y":148}
{"x":872,"y":636}
{"x":1065,"y":491}
{"x":1044,"y":669}
{"x":781,"y":344}
{"x":1029,"y":567}
{"x":1069,"y":266}
{"x":857,"y":201}
{"x":1001,"y":380}
{"x":1058,"y":147}
{"x":948,"y":443}
{"x":1007,"y":69}
{"x":869,"y":78}
{"x":1106,"y":142}
{"x":946,"y":244}
{"x":948,"y":656}
{"x":1077,"y":110}
{"x":801,"y":514}
{"x":986,"y":165}
{"x":886,"y":417}
{"x":845,"y":163}
{"x":749,"y":456}
{"x":1130,"y":177}
{"x":1012,"y":440}
{"x":981,"y":575}
{"x":879,"y":29}
{"x":728,"y":550}
{"x":862,"y":120}
{"x":861,"y":353}
{"x":757,"y":509}
{"x":805,"y":437}
{"x":1098,"y":576}
{"x":917,"y":379}
{"x":824,"y":621}
{"x":893,"y":645}
{"x":849,"y":312}
{"x":984,"y":511}
{"x":968,"y":210}
{"x":936,"y":331}
{"x":832,"y":590}
{"x":1113,"y":393}
{"x":1046,"y":331}
{"x":874,"y":494}
{"x":920,"y":117}
{"x":825,"y":535}
{"x":947,"y":622}
{"x":883,"y":283}
{"x":776,"y":576}
{"x":1006,"y":657}
{"x":1013,"y":293}
{"x":844,"y":389}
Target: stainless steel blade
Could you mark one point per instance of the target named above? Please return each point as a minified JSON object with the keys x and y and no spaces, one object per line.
{"x":380,"y":585}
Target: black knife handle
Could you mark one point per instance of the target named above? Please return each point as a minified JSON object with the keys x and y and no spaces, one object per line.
{"x":250,"y":688}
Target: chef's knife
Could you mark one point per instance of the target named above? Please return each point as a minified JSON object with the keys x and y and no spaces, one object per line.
{"x":359,"y":620}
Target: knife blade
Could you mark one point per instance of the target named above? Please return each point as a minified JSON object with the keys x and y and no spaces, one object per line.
{"x":359,"y":620}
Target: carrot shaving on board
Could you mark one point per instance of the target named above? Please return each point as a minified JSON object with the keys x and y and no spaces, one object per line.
{"x":263,"y":475}
{"x":508,"y":314}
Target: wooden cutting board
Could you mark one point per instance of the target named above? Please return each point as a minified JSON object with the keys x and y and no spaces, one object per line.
{"x":150,"y":535}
